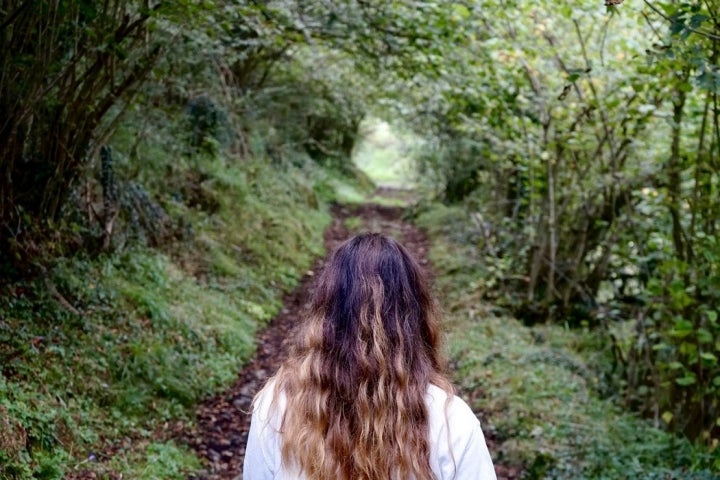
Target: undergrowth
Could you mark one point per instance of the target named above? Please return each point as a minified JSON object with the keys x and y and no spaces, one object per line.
{"x":103,"y":355}
{"x":538,"y":387}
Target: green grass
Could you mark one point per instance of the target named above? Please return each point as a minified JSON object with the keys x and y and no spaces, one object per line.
{"x":347,"y":193}
{"x":158,"y":460}
{"x":354,"y":224}
{"x":154,"y":331}
{"x":536,"y":387}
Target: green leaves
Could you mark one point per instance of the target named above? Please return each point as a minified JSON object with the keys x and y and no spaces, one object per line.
{"x":709,"y":358}
{"x":682,"y":329}
{"x":704,"y":336}
{"x":687,"y":380}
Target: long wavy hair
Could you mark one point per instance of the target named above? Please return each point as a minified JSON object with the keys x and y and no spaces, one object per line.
{"x":357,"y":377}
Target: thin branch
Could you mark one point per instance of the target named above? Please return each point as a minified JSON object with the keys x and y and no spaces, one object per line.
{"x":694,"y":30}
{"x":602,"y":41}
{"x":13,"y":16}
{"x":55,"y":293}
{"x":652,"y":27}
{"x":603,"y":116}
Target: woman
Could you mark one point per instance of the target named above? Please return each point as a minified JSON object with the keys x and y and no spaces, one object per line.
{"x":363,"y":395}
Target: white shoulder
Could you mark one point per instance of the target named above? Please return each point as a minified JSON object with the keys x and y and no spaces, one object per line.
{"x":266,"y":408}
{"x":262,"y":454}
{"x":457,"y":409}
{"x":457,"y":441}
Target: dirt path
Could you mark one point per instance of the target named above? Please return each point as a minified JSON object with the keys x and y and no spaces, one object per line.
{"x":222,"y":424}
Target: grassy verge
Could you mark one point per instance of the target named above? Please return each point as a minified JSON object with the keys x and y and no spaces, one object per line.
{"x":537,"y":386}
{"x":105,"y":354}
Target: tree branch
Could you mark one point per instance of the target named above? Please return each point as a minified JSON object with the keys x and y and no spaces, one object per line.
{"x":694,"y":30}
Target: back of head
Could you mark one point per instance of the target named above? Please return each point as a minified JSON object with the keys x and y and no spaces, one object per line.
{"x":356,"y":381}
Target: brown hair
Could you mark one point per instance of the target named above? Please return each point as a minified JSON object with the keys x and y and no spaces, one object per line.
{"x":357,"y":377}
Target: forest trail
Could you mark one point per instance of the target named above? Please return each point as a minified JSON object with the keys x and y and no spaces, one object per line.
{"x":220,"y":433}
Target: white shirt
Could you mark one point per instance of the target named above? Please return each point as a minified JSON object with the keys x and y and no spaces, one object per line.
{"x":461,"y":455}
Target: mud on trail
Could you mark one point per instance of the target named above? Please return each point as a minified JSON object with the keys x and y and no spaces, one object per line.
{"x":220,"y":433}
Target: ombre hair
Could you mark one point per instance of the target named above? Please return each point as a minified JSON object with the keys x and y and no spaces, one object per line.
{"x":356,"y":379}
